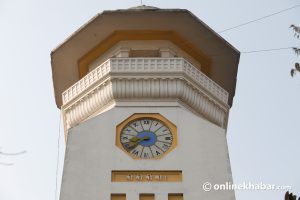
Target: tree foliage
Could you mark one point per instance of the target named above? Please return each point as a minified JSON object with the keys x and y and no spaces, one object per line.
{"x":296,"y":68}
{"x":290,"y":196}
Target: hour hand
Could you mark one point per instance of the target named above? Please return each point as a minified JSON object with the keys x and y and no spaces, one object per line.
{"x":135,"y":141}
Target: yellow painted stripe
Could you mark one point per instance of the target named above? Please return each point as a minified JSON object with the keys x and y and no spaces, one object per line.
{"x":146,"y":176}
{"x":120,"y":35}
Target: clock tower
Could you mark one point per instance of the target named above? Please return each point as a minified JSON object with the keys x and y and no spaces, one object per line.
{"x":145,"y":95}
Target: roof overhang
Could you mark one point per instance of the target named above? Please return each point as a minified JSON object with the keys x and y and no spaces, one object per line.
{"x":222,"y":58}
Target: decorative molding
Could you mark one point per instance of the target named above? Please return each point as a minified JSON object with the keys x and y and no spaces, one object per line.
{"x":145,"y":80}
{"x":144,"y":89}
{"x":146,"y":67}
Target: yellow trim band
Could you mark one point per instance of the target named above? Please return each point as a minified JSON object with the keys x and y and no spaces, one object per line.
{"x":147,"y":176}
{"x":117,"y":36}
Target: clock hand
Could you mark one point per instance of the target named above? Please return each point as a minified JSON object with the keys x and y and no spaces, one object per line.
{"x":146,"y":138}
{"x":135,"y":141}
{"x":132,"y":145}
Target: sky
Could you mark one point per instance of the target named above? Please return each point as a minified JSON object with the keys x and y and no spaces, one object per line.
{"x":263,"y":132}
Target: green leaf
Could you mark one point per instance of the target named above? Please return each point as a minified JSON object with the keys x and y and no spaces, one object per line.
{"x":292,"y":72}
{"x":297,"y":51}
{"x":297,"y":67}
{"x":294,"y":197}
{"x":295,"y":28}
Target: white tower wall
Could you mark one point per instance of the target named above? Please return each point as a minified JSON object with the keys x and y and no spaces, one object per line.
{"x":91,"y":155}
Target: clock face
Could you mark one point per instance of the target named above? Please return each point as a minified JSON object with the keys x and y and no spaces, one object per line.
{"x":146,"y":138}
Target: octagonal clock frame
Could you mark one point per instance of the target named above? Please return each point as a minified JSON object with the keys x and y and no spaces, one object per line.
{"x":146,"y":136}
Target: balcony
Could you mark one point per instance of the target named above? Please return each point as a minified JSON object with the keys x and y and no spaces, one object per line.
{"x":152,"y":66}
{"x":145,"y":80}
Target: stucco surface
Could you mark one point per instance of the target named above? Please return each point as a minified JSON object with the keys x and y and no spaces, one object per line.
{"x":91,"y":155}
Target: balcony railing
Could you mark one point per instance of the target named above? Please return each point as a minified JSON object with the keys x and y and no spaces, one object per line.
{"x":145,"y":65}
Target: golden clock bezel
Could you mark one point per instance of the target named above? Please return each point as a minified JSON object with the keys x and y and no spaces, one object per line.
{"x":156,"y":116}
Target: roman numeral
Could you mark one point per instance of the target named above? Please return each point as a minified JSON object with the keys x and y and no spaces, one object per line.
{"x":165,"y":147}
{"x":135,"y":152}
{"x":146,"y":155}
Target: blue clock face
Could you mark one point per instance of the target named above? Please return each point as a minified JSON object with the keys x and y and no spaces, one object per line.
{"x":146,"y":138}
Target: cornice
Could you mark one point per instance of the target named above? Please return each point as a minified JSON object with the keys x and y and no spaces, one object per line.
{"x":145,"y":80}
{"x":146,"y":67}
